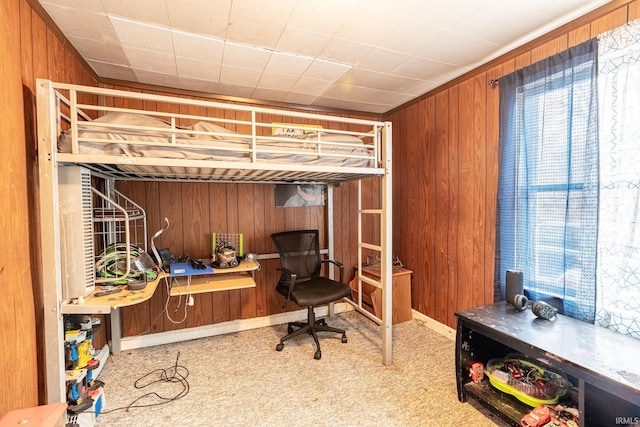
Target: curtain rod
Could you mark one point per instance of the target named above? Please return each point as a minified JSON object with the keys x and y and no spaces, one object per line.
{"x":493,"y":82}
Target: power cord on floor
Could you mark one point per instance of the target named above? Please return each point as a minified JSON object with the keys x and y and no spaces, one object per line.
{"x":176,"y":374}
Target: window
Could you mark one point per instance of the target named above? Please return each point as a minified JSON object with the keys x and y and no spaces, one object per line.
{"x":548,"y":193}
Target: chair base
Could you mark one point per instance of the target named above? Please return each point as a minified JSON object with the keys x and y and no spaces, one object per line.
{"x":311,"y":327}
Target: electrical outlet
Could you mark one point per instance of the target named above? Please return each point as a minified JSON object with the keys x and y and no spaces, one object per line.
{"x":190,"y":301}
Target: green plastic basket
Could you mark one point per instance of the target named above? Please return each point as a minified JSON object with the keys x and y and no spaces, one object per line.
{"x":526,"y":380}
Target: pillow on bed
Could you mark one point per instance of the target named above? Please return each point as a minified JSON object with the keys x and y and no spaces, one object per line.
{"x":334,"y":137}
{"x":108,"y":137}
{"x":205,"y":126}
{"x":132,"y":119}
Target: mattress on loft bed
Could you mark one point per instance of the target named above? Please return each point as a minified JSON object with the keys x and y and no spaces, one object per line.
{"x":137,"y":135}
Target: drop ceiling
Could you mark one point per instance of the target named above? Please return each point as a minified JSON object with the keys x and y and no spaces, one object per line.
{"x":361,"y":55}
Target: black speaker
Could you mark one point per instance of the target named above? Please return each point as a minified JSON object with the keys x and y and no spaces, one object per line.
{"x":514,"y":285}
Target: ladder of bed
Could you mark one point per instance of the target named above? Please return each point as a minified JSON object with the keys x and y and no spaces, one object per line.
{"x":384,"y":248}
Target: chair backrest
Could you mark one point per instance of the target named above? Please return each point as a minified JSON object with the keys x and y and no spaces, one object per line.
{"x":299,"y":252}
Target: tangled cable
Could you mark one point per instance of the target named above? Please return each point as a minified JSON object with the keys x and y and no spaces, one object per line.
{"x":175,"y":374}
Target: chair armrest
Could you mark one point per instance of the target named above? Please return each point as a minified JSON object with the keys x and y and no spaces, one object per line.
{"x":337,"y":264}
{"x":292,"y":280}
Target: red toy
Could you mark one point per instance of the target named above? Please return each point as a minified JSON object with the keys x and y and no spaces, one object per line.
{"x":476,"y":372}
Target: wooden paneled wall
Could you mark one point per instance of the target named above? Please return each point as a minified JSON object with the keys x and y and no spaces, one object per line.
{"x":445,"y":160}
{"x":446,"y":173}
{"x":29,"y":49}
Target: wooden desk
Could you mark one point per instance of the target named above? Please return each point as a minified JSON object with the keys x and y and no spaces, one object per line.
{"x":222,"y":279}
{"x":372,"y":296}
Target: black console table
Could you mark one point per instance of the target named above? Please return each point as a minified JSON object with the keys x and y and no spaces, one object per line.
{"x":602,"y":364}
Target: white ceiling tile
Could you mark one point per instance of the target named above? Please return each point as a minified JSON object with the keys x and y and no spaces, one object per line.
{"x":379,"y":52}
{"x":554,"y":9}
{"x":458,"y":49}
{"x":86,"y":5}
{"x":299,"y":98}
{"x":206,"y":86}
{"x":446,"y":76}
{"x":275,"y":81}
{"x":149,"y":11}
{"x":422,"y":69}
{"x":254,"y":31}
{"x":202,"y":48}
{"x":403,"y":8}
{"x":284,"y":63}
{"x":235,"y":90}
{"x":151,"y":61}
{"x":269,"y":94}
{"x":382,"y":60}
{"x":346,"y":104}
{"x":377,"y":80}
{"x":99,"y":51}
{"x":302,"y":42}
{"x":446,"y":13}
{"x":311,"y":86}
{"x":326,"y":70}
{"x":393,"y":98}
{"x":194,"y":69}
{"x":245,"y":56}
{"x":355,"y":93}
{"x":157,"y":79}
{"x":410,"y":36}
{"x":421,"y":87}
{"x":322,"y":16}
{"x":74,"y":22}
{"x":209,"y":17}
{"x":239,"y":76}
{"x":345,"y":51}
{"x":276,"y":12}
{"x":370,"y":27}
{"x":112,"y":71}
{"x":485,"y":24}
{"x":142,"y":36}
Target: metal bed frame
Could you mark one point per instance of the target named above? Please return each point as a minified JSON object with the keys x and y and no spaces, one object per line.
{"x":59,"y":109}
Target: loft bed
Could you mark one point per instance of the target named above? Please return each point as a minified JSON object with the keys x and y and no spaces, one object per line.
{"x":134,"y":143}
{"x":119,"y":135}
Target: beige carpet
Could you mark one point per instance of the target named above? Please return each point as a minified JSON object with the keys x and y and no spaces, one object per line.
{"x":240,"y":380}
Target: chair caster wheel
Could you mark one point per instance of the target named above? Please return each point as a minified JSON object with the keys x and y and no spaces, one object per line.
{"x":344,"y":339}
{"x":279,"y":347}
{"x":289,"y":329}
{"x":317,"y":355}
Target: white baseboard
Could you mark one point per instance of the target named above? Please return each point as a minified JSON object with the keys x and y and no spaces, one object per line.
{"x":102,"y":355}
{"x":141,"y":341}
{"x":440,"y":328}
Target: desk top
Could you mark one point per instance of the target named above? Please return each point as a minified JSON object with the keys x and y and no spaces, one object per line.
{"x":93,"y":304}
{"x":604,"y":355}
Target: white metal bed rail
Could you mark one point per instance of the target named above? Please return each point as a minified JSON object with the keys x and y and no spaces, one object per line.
{"x":68,"y":95}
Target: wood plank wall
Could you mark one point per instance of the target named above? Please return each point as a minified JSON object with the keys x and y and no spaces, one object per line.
{"x":445,"y":159}
{"x":195,"y":210}
{"x":28,"y":49}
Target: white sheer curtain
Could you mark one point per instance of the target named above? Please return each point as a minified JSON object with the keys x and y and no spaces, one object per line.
{"x":618,"y":254}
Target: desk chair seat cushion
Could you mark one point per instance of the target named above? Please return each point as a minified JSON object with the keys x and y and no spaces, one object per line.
{"x":316,"y":291}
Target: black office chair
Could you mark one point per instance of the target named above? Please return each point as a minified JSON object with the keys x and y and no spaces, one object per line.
{"x":300,"y":282}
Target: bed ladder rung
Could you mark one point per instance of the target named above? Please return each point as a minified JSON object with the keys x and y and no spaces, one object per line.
{"x":370,"y":246}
